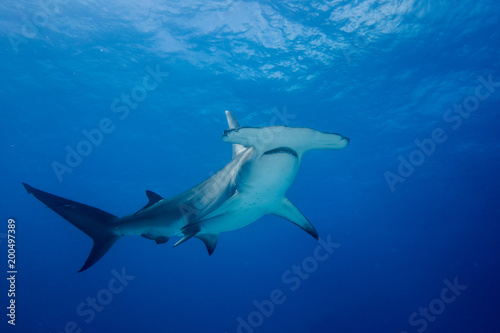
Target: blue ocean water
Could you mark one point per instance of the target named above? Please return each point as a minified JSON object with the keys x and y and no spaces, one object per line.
{"x":408,"y":214}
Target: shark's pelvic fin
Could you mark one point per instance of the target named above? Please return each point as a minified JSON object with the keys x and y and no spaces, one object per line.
{"x":233,"y":123}
{"x":94,"y":222}
{"x":153,"y":198}
{"x":288,"y":211}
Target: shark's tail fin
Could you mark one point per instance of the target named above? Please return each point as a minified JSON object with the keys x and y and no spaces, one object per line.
{"x":94,"y":222}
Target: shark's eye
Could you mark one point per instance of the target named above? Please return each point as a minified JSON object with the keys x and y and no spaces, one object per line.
{"x":226,"y":132}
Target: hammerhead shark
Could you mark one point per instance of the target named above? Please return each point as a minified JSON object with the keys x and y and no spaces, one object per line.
{"x":264,"y":164}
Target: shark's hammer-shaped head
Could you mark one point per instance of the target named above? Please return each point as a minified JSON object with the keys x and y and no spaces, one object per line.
{"x":281,"y":139}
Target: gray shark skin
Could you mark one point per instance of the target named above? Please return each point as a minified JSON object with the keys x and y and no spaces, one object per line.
{"x":265,"y":162}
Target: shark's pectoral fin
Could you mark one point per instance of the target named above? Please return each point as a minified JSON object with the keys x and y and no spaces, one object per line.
{"x":210,"y":241}
{"x":288,"y":211}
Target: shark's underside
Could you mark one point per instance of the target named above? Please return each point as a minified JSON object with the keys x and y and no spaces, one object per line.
{"x":265,"y":162}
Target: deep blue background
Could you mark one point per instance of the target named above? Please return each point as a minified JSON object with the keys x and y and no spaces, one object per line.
{"x":382,"y":73}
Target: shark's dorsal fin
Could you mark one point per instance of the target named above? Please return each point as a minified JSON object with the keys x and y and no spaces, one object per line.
{"x":153,"y":198}
{"x":233,"y":123}
{"x":288,"y":211}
